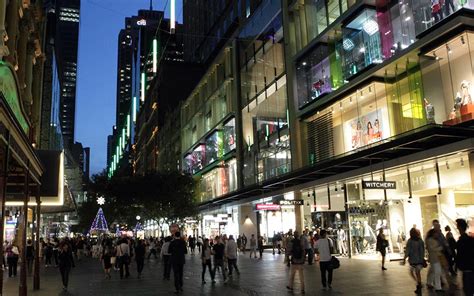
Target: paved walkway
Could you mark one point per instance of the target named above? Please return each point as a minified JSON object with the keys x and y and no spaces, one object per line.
{"x":258,"y":278}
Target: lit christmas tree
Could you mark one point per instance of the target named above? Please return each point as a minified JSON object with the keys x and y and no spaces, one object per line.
{"x":99,"y":224}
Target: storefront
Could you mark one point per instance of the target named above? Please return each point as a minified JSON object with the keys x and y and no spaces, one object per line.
{"x":440,"y":188}
{"x":274,"y":216}
{"x":220,"y":222}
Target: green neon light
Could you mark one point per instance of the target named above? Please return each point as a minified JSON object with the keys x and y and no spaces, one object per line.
{"x":134,"y":111}
{"x":143,"y":87}
{"x":128,"y":125}
{"x":288,"y":117}
{"x":123,"y":138}
{"x":155,"y":55}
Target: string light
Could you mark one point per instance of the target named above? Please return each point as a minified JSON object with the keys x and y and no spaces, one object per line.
{"x":99,"y":223}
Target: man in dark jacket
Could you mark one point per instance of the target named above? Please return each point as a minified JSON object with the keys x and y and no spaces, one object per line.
{"x":177,"y":250}
{"x":140,"y":257}
{"x":465,"y":257}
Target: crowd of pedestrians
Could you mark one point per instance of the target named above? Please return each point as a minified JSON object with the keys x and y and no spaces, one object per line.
{"x":440,"y":252}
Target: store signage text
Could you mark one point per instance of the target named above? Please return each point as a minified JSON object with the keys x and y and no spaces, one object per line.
{"x":292,"y":202}
{"x":141,"y":22}
{"x":379,"y":185}
{"x":267,"y":207}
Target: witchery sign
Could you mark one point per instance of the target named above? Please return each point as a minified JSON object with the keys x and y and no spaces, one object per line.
{"x":379,"y":185}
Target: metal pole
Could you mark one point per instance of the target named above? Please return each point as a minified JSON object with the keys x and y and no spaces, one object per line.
{"x":36,"y":276}
{"x":3,"y":188}
{"x":23,"y":289}
{"x":346,"y":207}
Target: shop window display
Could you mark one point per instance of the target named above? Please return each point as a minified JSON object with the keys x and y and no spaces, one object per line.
{"x":448,"y":79}
{"x":371,"y":114}
{"x":313,"y":76}
{"x":219,"y":181}
{"x":361,"y":44}
{"x":214,"y":147}
{"x":429,"y":12}
{"x":229,"y":136}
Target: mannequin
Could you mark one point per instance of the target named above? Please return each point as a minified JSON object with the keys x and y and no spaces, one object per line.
{"x":387,"y":233}
{"x":430,"y":111}
{"x":369,"y":236}
{"x":341,"y":241}
{"x":401,"y":237}
{"x":378,"y":225}
{"x":466,"y":97}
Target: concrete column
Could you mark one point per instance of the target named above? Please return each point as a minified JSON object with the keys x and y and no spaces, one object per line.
{"x":247,"y":221}
{"x":22,"y":53}
{"x":12,"y":31}
{"x":23,"y":288}
{"x":294,"y":124}
{"x":36,"y":275}
{"x":299,"y":213}
{"x":28,"y":95}
{"x":3,"y":33}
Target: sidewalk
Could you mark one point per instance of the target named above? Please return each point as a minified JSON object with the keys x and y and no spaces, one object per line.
{"x":258,"y":278}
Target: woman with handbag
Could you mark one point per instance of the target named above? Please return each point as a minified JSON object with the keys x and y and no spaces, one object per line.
{"x":415,"y":252}
{"x":324,"y":246}
{"x":381,"y":246}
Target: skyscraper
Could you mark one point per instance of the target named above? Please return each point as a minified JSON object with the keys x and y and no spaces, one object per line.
{"x":66,"y":44}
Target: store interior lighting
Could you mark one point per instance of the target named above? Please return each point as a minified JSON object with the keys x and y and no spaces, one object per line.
{"x":370,"y":27}
{"x":348,"y":44}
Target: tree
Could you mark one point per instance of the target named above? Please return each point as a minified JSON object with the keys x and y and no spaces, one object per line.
{"x":162,"y":196}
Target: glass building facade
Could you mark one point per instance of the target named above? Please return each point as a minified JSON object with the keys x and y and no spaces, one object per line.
{"x":265,"y":106}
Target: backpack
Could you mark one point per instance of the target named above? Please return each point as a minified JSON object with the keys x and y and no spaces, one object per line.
{"x":297,"y":250}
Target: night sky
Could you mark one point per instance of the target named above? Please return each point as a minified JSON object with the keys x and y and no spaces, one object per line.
{"x":101,"y":21}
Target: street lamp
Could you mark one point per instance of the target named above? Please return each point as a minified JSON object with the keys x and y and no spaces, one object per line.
{"x":138,"y":217}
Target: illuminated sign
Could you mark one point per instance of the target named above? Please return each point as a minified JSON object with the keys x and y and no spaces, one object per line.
{"x":293,"y":202}
{"x":141,"y":22}
{"x":267,"y":207}
{"x":379,"y":185}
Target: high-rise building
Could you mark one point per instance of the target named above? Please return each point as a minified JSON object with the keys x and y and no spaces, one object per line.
{"x":211,"y":24}
{"x":66,"y":46}
{"x":144,"y":44}
{"x":157,"y":143}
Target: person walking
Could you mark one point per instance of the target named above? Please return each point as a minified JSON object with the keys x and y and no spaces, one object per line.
{"x":465,"y":257}
{"x":231,"y":253}
{"x":107,"y":254}
{"x":12,"y":258}
{"x":206,"y":260}
{"x":140,"y":256}
{"x":306,"y":239}
{"x":297,"y":254}
{"x":178,"y":250}
{"x":65,"y":262}
{"x":165,"y":255}
{"x":30,"y":256}
{"x":324,"y":246}
{"x":260,"y":243}
{"x":152,"y":249}
{"x":253,"y":246}
{"x":435,"y":272}
{"x":381,"y":246}
{"x":452,"y":250}
{"x":415,"y":252}
{"x":48,"y":253}
{"x":199,"y":243}
{"x":244,"y":243}
{"x":219,"y":251}
{"x":123,"y":257}
{"x":192,"y":244}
